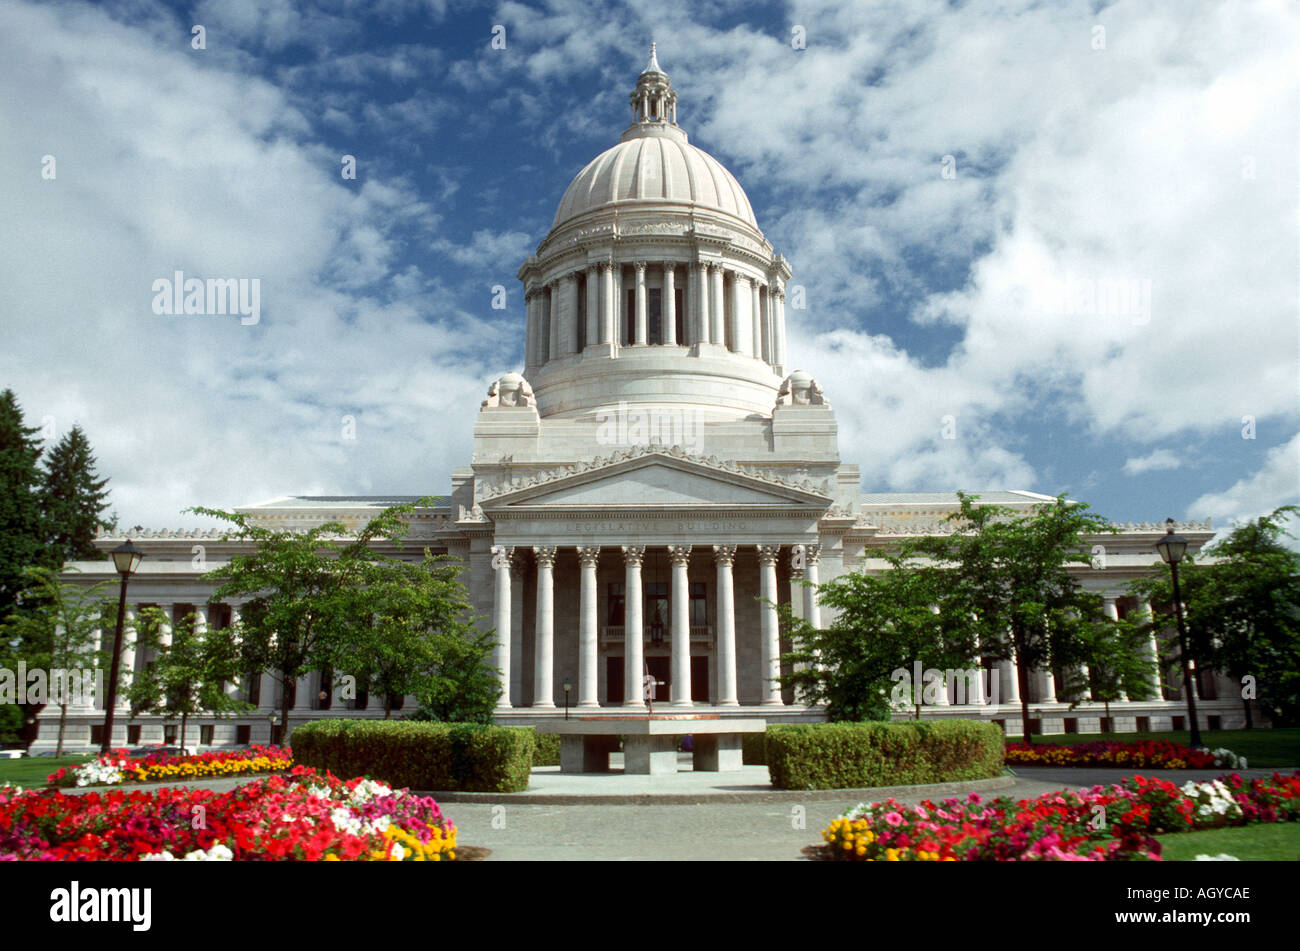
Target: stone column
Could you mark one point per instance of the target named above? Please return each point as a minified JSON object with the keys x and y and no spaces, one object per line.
{"x":518,"y":565}
{"x":717,"y":306}
{"x":756,"y":318}
{"x":165,"y":630}
{"x":126,"y":665}
{"x":703,"y":323}
{"x":569,"y":323}
{"x":501,"y":620}
{"x":778,"y":328}
{"x":680,"y":555}
{"x":201,"y":619}
{"x":588,"y":693}
{"x":303,"y":697}
{"x":1010,"y":682}
{"x":768,"y":338}
{"x":530,"y":329}
{"x":741,"y":341}
{"x":551,"y":321}
{"x":235,"y":689}
{"x":669,"y":309}
{"x":769,"y":628}
{"x":1049,"y":686}
{"x":1155,"y":690}
{"x":724,"y":556}
{"x":639,"y":327}
{"x":633,"y":661}
{"x":1112,"y":611}
{"x":811,"y":612}
{"x":593,"y":305}
{"x":544,"y":638}
{"x":607,"y":309}
{"x":1085,"y":678}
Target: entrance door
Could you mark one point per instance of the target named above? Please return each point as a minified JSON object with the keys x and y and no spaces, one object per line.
{"x":661,"y":669}
{"x":700,"y":692}
{"x":614,"y":681}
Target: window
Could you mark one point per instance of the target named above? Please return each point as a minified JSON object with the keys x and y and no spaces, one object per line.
{"x":582,"y":314}
{"x":243,"y":735}
{"x":205,"y":735}
{"x":96,"y":734}
{"x":656,"y":611}
{"x":631,"y":316}
{"x":326,"y":687}
{"x":1144,"y":724}
{"x":395,"y":701}
{"x":614,"y":604}
{"x":253,"y":688}
{"x":133,"y":735}
{"x":362,"y":698}
{"x":169,"y":735}
{"x":654,"y":315}
{"x":680,"y":316}
{"x":699,"y":604}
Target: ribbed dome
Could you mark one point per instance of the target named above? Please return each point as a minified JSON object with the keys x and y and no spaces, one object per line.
{"x":659,"y":167}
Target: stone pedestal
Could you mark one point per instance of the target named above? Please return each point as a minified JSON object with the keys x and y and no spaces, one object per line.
{"x":586,"y":754}
{"x":718,"y":753}
{"x":653,"y":755}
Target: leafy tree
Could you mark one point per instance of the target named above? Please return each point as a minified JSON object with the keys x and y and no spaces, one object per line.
{"x":1008,"y":573}
{"x":883,"y":623}
{"x":59,"y":633}
{"x":419,"y":639}
{"x":1242,"y":598}
{"x":1114,"y":652}
{"x":20,"y":506}
{"x":188,"y":674}
{"x":73,"y":499}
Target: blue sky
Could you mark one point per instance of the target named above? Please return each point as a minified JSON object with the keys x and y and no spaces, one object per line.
{"x":1158,"y":151}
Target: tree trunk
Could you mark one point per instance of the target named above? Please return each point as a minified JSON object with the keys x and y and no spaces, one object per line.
{"x":1109,"y":723}
{"x":1250,"y":720}
{"x":388,"y":704}
{"x":63,"y":719}
{"x":284,"y":709}
{"x":1022,"y":678}
{"x":184,"y":720}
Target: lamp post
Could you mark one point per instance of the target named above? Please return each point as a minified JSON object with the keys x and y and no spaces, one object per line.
{"x":126,"y":559}
{"x":567,"y":687}
{"x":273,"y":719}
{"x":1172,"y":548}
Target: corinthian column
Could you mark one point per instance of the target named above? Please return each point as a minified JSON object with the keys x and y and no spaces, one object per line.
{"x":501,"y":620}
{"x":703,"y":323}
{"x":740,"y":320}
{"x":544,"y":640}
{"x":607,"y":311}
{"x":669,"y":309}
{"x":593,"y":305}
{"x":633,"y":661}
{"x":769,"y":630}
{"x":725,"y":555}
{"x":811,"y":611}
{"x":756,"y":319}
{"x":681,"y":610}
{"x":587,"y":683}
{"x":717,"y":305}
{"x":778,"y":327}
{"x":639,"y":327}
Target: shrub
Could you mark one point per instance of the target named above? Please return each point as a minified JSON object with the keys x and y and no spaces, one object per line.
{"x":851,"y":755}
{"x":753,"y":749}
{"x":547,"y":752}
{"x":425,"y":756}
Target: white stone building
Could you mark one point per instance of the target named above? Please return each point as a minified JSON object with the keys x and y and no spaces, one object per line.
{"x":655,"y":470}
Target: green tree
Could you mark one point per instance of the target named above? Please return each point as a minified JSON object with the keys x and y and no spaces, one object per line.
{"x":1114,"y":654}
{"x":1008,"y":573}
{"x":883,"y":624}
{"x":20,"y":505}
{"x":419,"y":639}
{"x":1242,"y":598}
{"x":58,"y":634}
{"x":189,"y":672}
{"x":73,"y":499}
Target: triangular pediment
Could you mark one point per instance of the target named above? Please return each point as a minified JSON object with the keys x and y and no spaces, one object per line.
{"x":656,"y":480}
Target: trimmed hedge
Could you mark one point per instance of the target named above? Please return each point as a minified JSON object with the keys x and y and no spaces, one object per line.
{"x":852,"y":755}
{"x":753,"y":749}
{"x":547,"y":752}
{"x":425,"y":756}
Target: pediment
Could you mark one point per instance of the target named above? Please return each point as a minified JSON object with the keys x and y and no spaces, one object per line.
{"x":657,"y":480}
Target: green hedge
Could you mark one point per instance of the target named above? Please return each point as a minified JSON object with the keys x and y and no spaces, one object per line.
{"x":547,"y":752}
{"x":420,"y":755}
{"x":851,"y":755}
{"x":753,"y":749}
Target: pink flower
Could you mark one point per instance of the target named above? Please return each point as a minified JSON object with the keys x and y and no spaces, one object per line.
{"x":893,"y":818}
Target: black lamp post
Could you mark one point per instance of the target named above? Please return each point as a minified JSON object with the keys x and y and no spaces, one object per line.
{"x":273,"y":719}
{"x":567,"y":687}
{"x":1172,"y":548}
{"x":126,"y":559}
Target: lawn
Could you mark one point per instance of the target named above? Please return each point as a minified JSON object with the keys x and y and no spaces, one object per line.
{"x":1263,"y":748}
{"x":1268,"y":842}
{"x":32,"y":770}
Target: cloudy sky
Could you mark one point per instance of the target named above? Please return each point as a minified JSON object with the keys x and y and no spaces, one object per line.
{"x":951,"y":182}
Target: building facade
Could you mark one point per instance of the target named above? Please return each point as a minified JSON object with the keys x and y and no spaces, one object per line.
{"x":652,"y":482}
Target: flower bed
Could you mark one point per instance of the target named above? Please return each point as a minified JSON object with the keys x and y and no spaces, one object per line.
{"x":119,"y":767}
{"x":1098,"y":824}
{"x":1140,"y":754}
{"x":303,"y":816}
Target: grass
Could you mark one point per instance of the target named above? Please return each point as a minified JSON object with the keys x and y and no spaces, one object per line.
{"x":1265,"y":842}
{"x":32,"y":770}
{"x":1263,"y":748}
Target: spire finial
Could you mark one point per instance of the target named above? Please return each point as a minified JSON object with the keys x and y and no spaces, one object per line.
{"x":653,"y":65}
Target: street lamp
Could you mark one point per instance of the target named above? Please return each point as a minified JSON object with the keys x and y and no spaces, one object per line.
{"x":1172,"y":548}
{"x":273,"y":719}
{"x":126,"y":559}
{"x":567,"y":687}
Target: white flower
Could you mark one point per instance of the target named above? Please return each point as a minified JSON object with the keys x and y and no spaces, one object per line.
{"x":1221,"y":857}
{"x":399,"y":853}
{"x":158,"y":857}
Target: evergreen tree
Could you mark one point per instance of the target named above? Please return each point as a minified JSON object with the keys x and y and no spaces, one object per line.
{"x":73,"y":499}
{"x":20,"y":504}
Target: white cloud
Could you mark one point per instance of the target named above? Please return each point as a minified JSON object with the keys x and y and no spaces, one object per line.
{"x":1276,"y":483}
{"x":1155,"y":461}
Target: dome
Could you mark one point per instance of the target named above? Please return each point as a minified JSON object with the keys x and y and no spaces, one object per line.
{"x":655,"y":165}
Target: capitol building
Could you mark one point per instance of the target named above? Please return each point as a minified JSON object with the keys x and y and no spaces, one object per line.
{"x":653,"y":474}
